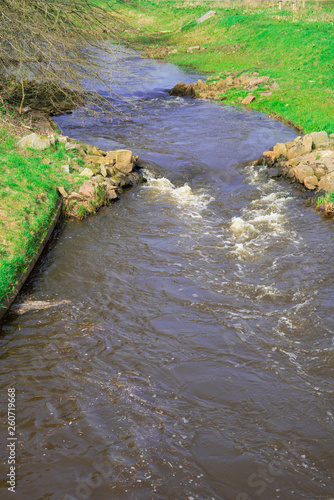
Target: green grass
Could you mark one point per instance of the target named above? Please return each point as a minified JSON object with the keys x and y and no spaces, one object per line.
{"x":329,"y":198}
{"x":28,"y":196}
{"x":294,"y":48}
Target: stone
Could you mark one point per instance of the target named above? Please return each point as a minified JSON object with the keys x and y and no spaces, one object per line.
{"x":112,"y":194}
{"x":331,"y":136}
{"x":111,"y":183}
{"x":319,"y":139}
{"x":124,"y":161}
{"x":250,"y":98}
{"x":320,"y":171}
{"x":87,"y":189}
{"x":288,"y":145}
{"x":244,"y":78}
{"x":298,"y":149}
{"x":112,"y":155}
{"x":74,"y":196}
{"x":311,"y":182}
{"x":229,"y":81}
{"x":254,"y":82}
{"x":295,"y":161}
{"x":66,"y":168}
{"x":104,"y":171}
{"x":70,"y":146}
{"x":191,"y":49}
{"x":302,"y":171}
{"x":62,"y":191}
{"x":326,"y":183}
{"x":206,"y":16}
{"x":273,"y":173}
{"x":297,"y":139}
{"x":35,"y":141}
{"x":270,"y":156}
{"x":280,"y":149}
{"x":97,"y":152}
{"x":62,"y":139}
{"x":92,"y":160}
{"x":308,"y":143}
{"x":221,"y":85}
{"x":290,"y":174}
{"x":87,"y":172}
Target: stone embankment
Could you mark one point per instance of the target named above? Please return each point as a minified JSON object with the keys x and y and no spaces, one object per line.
{"x":215,"y":87}
{"x":308,"y":161}
{"x":97,"y":177}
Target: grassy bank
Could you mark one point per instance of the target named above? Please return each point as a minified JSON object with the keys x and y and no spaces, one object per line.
{"x":295,"y":48}
{"x":28,"y":197}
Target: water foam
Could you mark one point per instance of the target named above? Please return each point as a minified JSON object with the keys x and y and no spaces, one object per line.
{"x":183,"y":196}
{"x":262,"y":220}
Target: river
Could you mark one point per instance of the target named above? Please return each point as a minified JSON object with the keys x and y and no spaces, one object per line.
{"x":191,"y":353}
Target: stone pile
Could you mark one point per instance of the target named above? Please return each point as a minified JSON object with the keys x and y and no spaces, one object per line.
{"x":216,"y":89}
{"x":307,"y":161}
{"x":104,"y":173}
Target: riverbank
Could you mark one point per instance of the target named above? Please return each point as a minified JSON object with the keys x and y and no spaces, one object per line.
{"x":38,"y":170}
{"x":295,"y":49}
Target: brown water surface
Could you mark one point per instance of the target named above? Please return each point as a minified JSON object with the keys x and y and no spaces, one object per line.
{"x":191,"y":353}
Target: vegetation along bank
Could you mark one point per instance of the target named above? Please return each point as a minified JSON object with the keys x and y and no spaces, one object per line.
{"x":280,"y":62}
{"x":268,"y":56}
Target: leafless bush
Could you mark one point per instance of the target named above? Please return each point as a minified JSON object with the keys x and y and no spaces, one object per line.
{"x":48,"y":50}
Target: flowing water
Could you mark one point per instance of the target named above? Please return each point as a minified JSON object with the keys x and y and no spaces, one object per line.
{"x":179,"y":344}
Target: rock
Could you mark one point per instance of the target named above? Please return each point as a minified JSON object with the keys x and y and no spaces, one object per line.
{"x":288,"y":145}
{"x":66,"y":168}
{"x":104,"y":171}
{"x":297,"y":139}
{"x":229,"y":81}
{"x":124,"y":161}
{"x":111,"y":183}
{"x":254,"y":82}
{"x":244,"y":78}
{"x":250,"y":98}
{"x":191,"y":49}
{"x":112,"y":155}
{"x":173,"y":51}
{"x":201,"y":84}
{"x":62,"y":139}
{"x":302,"y":171}
{"x":92,"y":160}
{"x":36,"y":142}
{"x":74,"y":196}
{"x":290,"y":174}
{"x":181,"y":89}
{"x":308,"y":142}
{"x":274,"y":86}
{"x":112,"y":194}
{"x":273,"y":173}
{"x":270,"y":156}
{"x":295,"y":161}
{"x":97,"y":152}
{"x":298,"y":149}
{"x":87,"y":172}
{"x":62,"y":191}
{"x":311,"y":182}
{"x":70,"y":146}
{"x":331,"y":136}
{"x":87,"y":189}
{"x":327,"y":159}
{"x":206,"y":16}
{"x":319,"y":138}
{"x":320,"y":171}
{"x":280,"y":149}
{"x":326,"y":183}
